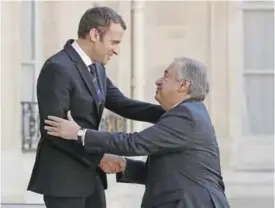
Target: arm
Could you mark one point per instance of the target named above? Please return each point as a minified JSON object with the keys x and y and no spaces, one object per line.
{"x":170,"y":134}
{"x":131,"y":109}
{"x":135,"y":172}
{"x":53,"y":94}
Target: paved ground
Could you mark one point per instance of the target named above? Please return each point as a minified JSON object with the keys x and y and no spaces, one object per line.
{"x":129,"y":196}
{"x":132,"y":202}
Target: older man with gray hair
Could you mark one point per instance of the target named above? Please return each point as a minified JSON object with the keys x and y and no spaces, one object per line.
{"x":183,"y":167}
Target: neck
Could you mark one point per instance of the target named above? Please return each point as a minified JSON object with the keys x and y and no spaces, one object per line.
{"x":176,"y":101}
{"x":85,"y":46}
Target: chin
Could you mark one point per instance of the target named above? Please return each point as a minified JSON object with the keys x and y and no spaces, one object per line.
{"x":104,"y":62}
{"x":157,"y":97}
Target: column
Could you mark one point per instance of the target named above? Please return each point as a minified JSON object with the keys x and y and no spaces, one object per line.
{"x":138,"y":66}
{"x":218,"y":98}
{"x":11,"y":156}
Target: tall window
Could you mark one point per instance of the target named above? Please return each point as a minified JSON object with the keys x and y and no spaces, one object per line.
{"x":30,"y":67}
{"x":29,"y":51}
{"x":258,"y":72}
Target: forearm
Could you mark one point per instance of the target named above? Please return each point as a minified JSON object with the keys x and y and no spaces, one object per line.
{"x":136,"y":110}
{"x":102,"y":142}
{"x":164,"y":137}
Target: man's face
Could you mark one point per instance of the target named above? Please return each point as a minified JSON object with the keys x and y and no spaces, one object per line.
{"x":108,"y":44}
{"x":168,"y":86}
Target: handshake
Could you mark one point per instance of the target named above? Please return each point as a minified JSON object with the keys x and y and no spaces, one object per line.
{"x":112,"y":163}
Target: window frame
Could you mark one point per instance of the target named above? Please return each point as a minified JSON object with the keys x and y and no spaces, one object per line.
{"x":29,"y":109}
{"x":247,"y":152}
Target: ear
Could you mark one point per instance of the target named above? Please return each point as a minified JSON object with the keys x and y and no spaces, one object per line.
{"x":94,"y":35}
{"x":185,"y":85}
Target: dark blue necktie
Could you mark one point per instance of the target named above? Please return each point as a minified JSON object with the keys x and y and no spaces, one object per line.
{"x":95,"y":81}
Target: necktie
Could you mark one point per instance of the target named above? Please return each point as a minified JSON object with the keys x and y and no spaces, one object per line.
{"x":95,"y":81}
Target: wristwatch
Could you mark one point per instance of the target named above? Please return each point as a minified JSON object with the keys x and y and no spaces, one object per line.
{"x":81,"y":135}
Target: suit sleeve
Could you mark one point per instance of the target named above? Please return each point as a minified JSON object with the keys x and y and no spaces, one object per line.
{"x":170,"y":134}
{"x":129,"y":108}
{"x":135,"y":172}
{"x":53,"y":94}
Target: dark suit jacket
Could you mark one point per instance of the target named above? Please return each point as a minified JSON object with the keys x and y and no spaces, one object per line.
{"x":184,"y":159}
{"x":63,"y":168}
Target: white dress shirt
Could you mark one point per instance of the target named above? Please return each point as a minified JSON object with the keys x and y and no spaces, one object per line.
{"x":85,"y":58}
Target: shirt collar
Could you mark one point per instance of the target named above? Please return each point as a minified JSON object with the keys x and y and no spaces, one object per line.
{"x":177,"y":104}
{"x":186,"y":100}
{"x":85,"y":58}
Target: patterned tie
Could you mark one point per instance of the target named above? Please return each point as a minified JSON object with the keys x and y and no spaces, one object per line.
{"x":95,"y":82}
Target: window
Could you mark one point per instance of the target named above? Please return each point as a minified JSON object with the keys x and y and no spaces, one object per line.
{"x":258,"y":71}
{"x":29,"y":49}
{"x":251,"y":44}
{"x":30,"y":68}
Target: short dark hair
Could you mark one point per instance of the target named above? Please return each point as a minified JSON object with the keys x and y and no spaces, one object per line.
{"x":98,"y":17}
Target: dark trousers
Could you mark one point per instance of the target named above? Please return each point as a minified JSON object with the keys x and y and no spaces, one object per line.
{"x":96,"y":200}
{"x":171,"y":204}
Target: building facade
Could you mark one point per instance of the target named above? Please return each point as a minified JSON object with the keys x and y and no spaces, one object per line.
{"x":234,"y":39}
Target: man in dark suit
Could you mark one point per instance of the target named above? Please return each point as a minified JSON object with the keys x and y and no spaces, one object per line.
{"x":74,"y":79}
{"x":183,"y":166}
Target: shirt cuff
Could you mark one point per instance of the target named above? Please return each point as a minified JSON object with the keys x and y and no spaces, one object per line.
{"x":83,"y":137}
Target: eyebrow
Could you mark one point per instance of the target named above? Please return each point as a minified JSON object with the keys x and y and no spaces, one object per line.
{"x":116,"y":41}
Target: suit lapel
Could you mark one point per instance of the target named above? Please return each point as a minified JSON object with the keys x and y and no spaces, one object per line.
{"x":83,"y":70}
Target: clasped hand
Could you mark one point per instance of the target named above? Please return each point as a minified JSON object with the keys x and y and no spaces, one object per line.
{"x":112,"y":163}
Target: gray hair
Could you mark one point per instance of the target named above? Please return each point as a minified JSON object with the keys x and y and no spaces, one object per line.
{"x":195,"y":72}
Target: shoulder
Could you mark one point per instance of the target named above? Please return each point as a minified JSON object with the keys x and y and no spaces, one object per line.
{"x":57,"y":63}
{"x":197,"y":110}
{"x":60,"y":55}
{"x":60,"y":59}
{"x":54,"y":67}
{"x":176,"y":116}
{"x":54,"y":70}
{"x":193,"y":107}
{"x":180,"y":110}
{"x":188,"y":111}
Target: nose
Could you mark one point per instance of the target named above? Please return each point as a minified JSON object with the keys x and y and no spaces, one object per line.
{"x":158,"y":81}
{"x":116,"y":50}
